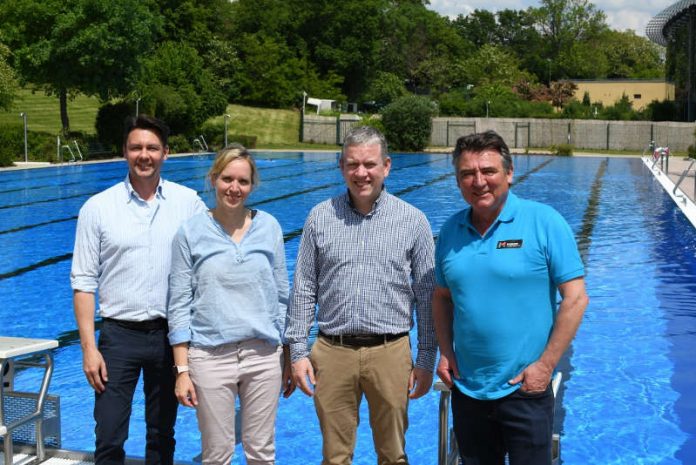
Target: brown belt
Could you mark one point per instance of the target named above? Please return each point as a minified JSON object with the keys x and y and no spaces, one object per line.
{"x":361,"y":340}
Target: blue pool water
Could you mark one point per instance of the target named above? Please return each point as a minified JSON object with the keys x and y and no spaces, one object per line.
{"x":630,"y":377}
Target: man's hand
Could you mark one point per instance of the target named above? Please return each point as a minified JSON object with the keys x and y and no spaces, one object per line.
{"x":301,"y":371}
{"x":184,"y":390}
{"x":535,"y":378}
{"x":95,"y":369}
{"x":419,"y":382}
{"x":447,"y":369}
{"x":289,"y":385}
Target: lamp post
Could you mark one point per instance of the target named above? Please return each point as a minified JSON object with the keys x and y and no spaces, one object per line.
{"x":304,"y":99}
{"x":227,"y":118}
{"x":137,"y":107}
{"x":488,"y":102}
{"x":23,"y":115}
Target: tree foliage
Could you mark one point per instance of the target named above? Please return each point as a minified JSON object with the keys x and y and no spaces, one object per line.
{"x":88,"y":46}
{"x":8,"y":81}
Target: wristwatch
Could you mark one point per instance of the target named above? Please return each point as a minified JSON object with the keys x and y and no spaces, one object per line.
{"x":181,"y":369}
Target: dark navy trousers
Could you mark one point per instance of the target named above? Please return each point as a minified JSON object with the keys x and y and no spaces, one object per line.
{"x":126,"y":353}
{"x":519,"y":425}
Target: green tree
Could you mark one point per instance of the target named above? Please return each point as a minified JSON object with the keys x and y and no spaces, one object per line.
{"x":8,"y":81}
{"x":571,"y":30}
{"x":493,"y":64}
{"x":88,"y":46}
{"x":176,"y":87}
{"x":385,"y":88}
{"x":631,"y":56}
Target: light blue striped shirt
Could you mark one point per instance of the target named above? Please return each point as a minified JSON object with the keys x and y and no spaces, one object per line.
{"x":366,"y":272}
{"x":123,"y":248}
{"x":224,"y":292}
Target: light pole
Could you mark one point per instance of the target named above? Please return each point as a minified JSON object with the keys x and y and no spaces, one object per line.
{"x":304,"y":99}
{"x":227,"y":118}
{"x":23,"y":115}
{"x":488,"y":102}
{"x":137,"y":107}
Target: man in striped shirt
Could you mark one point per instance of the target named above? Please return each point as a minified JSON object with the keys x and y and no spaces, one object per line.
{"x":366,"y":257}
{"x":123,"y":249}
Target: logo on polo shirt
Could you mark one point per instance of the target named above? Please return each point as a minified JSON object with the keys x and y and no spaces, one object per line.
{"x":510,"y":244}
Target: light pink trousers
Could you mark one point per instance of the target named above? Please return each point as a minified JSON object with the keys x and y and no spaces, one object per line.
{"x":252,"y":370}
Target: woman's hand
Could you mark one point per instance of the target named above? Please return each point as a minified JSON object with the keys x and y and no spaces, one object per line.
{"x":184,"y":390}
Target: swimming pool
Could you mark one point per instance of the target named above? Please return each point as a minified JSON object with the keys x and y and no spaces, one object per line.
{"x":630,"y":382}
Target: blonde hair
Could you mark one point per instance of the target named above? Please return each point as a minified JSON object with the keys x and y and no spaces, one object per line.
{"x":229,"y":154}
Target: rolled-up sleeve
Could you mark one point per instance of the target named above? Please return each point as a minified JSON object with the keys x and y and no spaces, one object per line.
{"x":304,"y":295}
{"x":280,"y":273}
{"x":180,"y":290}
{"x":423,"y":284}
{"x":84,"y":273}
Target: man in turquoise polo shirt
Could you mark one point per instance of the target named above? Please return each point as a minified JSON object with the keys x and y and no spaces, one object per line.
{"x":499,"y":265}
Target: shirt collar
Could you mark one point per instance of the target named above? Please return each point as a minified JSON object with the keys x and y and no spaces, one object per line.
{"x":381,"y":199}
{"x":131,"y":193}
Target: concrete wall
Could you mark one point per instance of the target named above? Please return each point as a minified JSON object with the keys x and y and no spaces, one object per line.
{"x":531,"y":132}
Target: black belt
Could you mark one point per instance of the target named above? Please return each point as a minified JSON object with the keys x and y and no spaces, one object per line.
{"x":361,"y":340}
{"x":147,"y":325}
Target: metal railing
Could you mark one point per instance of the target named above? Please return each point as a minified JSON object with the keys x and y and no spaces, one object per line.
{"x":447,"y":451}
{"x":684,"y":175}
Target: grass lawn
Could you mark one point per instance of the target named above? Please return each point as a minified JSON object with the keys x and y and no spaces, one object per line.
{"x":43,"y":112}
{"x":272,"y":127}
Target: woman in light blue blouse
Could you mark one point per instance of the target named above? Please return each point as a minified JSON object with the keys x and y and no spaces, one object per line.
{"x":228,"y":297}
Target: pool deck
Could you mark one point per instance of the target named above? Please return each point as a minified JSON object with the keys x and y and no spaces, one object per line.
{"x":683,"y":193}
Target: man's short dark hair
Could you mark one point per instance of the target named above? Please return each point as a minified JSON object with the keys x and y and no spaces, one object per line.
{"x":479,"y":142}
{"x":365,"y":135}
{"x":149,"y":123}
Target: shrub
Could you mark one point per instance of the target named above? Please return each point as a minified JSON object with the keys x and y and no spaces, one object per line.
{"x":11,"y":143}
{"x":563,"y":150}
{"x":246,"y":140}
{"x":407,"y":122}
{"x":179,"y":144}
{"x":691,"y":151}
{"x":109,"y":124}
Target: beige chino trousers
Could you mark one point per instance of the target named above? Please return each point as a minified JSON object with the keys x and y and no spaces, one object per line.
{"x":252,"y":370}
{"x":343,"y":375}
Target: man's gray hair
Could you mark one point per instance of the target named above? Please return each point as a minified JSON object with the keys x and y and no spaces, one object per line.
{"x":365,"y":135}
{"x":477,"y":143}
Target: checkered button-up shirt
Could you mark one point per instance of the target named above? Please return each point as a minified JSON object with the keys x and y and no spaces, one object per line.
{"x":365,"y":272}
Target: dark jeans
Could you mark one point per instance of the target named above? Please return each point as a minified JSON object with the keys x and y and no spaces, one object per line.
{"x":126,"y":352}
{"x":519,"y":425}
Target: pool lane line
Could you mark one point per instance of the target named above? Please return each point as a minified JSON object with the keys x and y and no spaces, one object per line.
{"x":36,"y":225}
{"x":182,"y":180}
{"x":117,"y":164}
{"x":589,"y":218}
{"x":114,"y":178}
{"x":60,"y":258}
{"x":33,"y":266}
{"x":583,"y":239}
{"x":59,"y":220}
{"x":72,"y":337}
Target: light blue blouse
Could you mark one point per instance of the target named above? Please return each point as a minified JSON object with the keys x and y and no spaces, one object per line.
{"x":223,"y":292}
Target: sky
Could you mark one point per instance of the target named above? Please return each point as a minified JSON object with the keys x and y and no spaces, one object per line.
{"x":621,"y":14}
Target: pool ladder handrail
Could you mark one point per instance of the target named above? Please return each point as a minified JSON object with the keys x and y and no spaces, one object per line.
{"x":683,"y":176}
{"x":447,"y":452}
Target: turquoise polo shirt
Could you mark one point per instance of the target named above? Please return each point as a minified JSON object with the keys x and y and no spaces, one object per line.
{"x":504,"y":289}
